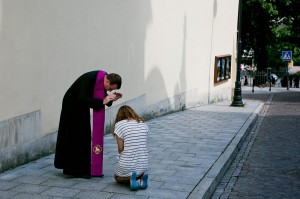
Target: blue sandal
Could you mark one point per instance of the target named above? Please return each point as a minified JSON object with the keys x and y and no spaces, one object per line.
{"x":133,"y":184}
{"x":144,"y":182}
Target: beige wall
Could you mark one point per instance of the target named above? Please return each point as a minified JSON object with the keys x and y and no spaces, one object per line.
{"x":163,"y":49}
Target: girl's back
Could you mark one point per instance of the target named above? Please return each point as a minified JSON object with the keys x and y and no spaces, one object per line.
{"x":135,"y":154}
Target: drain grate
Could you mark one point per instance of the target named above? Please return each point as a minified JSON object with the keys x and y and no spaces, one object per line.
{"x":294,"y":174}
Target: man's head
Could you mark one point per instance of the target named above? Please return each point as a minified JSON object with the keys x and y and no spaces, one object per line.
{"x":112,"y":81}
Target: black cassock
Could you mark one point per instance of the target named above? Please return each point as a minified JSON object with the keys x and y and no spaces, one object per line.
{"x":73,"y":147}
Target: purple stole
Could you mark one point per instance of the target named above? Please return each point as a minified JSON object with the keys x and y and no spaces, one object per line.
{"x":98,"y":128}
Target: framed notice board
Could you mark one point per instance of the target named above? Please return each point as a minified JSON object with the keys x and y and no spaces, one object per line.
{"x":222,"y":68}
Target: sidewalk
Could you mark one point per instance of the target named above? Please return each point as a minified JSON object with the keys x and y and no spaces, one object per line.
{"x":189,"y":151}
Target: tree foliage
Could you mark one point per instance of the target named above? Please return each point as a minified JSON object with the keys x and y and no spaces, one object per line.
{"x":270,"y":27}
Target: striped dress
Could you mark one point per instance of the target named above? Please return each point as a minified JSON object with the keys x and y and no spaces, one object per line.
{"x":135,"y":154}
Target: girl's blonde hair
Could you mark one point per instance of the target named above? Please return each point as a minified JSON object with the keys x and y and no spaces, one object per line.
{"x":126,"y":113}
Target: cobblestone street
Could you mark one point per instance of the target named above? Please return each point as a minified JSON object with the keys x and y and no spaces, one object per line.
{"x":268,"y":164}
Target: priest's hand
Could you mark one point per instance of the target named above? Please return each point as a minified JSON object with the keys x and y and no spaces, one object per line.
{"x":117,"y":96}
{"x":112,"y":97}
{"x":107,"y":99}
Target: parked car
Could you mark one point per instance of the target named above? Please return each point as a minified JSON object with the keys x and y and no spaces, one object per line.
{"x":274,"y":76}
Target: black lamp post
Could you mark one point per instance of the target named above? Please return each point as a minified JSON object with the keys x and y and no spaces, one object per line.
{"x":237,"y":98}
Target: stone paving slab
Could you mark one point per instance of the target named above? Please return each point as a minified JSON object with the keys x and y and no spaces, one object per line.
{"x":189,"y":152}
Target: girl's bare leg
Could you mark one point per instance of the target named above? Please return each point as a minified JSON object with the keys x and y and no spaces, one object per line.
{"x":122,"y":180}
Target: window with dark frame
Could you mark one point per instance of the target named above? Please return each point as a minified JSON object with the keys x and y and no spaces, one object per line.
{"x":222,"y":68}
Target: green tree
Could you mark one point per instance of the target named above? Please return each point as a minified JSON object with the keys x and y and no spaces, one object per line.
{"x":269,"y":27}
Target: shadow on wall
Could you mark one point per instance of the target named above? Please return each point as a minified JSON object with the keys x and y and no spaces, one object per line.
{"x":127,"y":50}
{"x":180,"y":99}
{"x":168,"y":104}
{"x":163,"y":106}
{"x":215,"y":9}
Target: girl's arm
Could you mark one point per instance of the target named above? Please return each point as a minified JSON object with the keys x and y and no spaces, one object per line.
{"x":120,"y":144}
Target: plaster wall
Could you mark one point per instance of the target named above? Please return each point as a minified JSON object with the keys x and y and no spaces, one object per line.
{"x":164,"y":51}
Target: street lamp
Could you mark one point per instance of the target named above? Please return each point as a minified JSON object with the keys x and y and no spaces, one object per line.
{"x":248,"y":55}
{"x":251,"y":52}
{"x":251,"y":56}
{"x":237,"y":98}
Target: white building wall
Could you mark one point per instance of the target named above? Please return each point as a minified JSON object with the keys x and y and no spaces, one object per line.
{"x":163,"y":49}
{"x":224,"y":37}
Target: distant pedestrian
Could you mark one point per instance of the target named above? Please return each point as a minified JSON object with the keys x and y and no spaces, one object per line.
{"x":131,"y":132}
{"x":296,"y":81}
{"x":246,"y":81}
{"x":75,"y":153}
{"x":291,"y":81}
{"x":273,"y":80}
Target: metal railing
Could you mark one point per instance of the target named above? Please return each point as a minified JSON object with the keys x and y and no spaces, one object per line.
{"x":259,"y":79}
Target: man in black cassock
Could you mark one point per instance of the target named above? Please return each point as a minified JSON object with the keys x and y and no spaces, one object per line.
{"x":73,"y":147}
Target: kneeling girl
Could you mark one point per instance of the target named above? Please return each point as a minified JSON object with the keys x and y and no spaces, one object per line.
{"x":131,"y":132}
